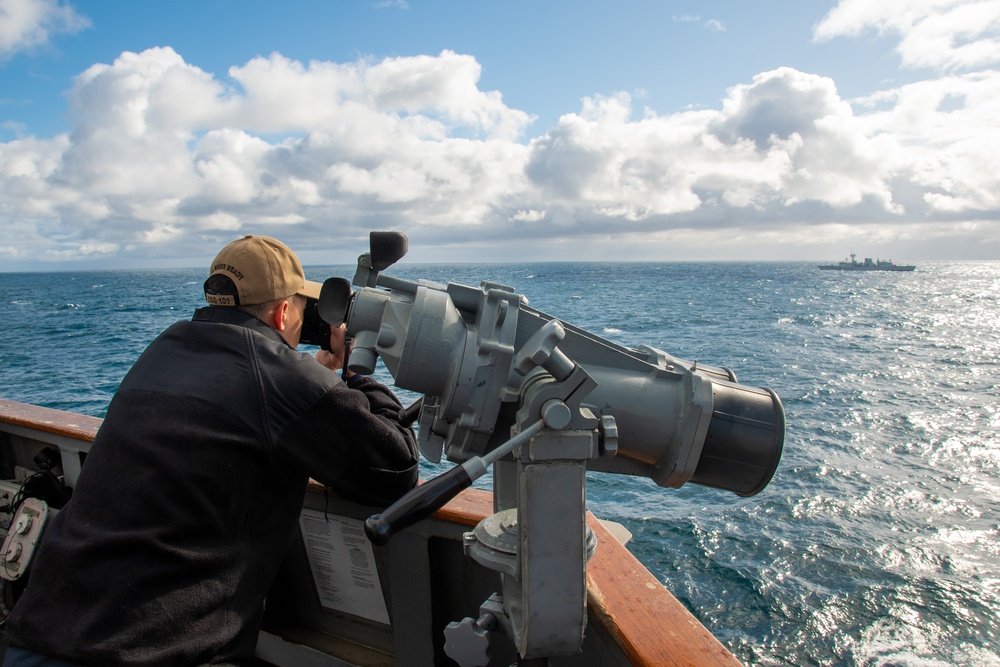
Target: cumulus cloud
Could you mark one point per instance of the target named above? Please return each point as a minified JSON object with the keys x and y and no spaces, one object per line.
{"x":28,"y":24}
{"x":941,"y":136}
{"x":784,"y":139}
{"x":165,"y":158}
{"x":160,"y":149}
{"x":942,"y":34}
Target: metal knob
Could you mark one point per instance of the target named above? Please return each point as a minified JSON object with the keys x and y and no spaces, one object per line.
{"x":467,"y":642}
{"x":542,"y":350}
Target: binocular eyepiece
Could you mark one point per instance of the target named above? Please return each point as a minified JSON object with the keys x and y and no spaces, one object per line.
{"x":315,"y":330}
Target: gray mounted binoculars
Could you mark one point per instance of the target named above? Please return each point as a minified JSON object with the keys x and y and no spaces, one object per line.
{"x":488,"y":365}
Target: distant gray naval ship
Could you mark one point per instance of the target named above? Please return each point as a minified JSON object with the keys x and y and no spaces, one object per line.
{"x":868,"y":265}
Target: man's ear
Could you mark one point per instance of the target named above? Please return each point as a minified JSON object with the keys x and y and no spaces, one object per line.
{"x":279,"y":315}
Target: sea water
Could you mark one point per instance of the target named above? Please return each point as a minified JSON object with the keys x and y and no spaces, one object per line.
{"x":876,"y":542}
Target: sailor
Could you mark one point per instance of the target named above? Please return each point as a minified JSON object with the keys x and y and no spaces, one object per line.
{"x":190,"y":495}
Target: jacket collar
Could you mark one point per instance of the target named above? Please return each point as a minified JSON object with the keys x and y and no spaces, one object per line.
{"x":239,"y":318}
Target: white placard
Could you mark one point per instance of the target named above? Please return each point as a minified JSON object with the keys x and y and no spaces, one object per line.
{"x":343,"y":565}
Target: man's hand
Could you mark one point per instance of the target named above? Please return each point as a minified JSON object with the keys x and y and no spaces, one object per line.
{"x":334,"y":359}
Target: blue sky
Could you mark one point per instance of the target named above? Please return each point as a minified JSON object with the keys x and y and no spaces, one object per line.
{"x":149,"y":134}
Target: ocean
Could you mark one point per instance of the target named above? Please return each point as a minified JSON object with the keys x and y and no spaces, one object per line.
{"x":876,"y":543}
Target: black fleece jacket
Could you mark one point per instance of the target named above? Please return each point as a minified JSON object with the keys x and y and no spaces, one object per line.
{"x":190,"y":495}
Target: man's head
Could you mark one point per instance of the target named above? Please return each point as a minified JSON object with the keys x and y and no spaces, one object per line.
{"x":262,"y":276}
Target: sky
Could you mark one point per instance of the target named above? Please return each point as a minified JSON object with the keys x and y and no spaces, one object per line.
{"x":149,"y":134}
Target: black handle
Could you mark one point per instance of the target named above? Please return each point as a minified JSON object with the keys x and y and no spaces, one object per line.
{"x":419,"y":503}
{"x":409,"y":415}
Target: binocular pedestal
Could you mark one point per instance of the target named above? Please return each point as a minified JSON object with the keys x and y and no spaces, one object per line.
{"x":540,"y":546}
{"x":538,"y":538}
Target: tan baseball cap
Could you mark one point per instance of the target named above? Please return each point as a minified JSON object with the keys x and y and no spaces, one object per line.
{"x":263,"y":270}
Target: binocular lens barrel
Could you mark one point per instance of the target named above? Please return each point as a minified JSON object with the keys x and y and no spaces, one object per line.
{"x":744,"y":441}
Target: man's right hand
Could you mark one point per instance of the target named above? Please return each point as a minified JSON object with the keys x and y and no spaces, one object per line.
{"x":334,"y":359}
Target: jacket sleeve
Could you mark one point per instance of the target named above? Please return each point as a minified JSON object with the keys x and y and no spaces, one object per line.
{"x":351,"y":441}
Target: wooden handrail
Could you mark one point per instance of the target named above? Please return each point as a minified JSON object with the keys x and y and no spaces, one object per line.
{"x":58,"y":422}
